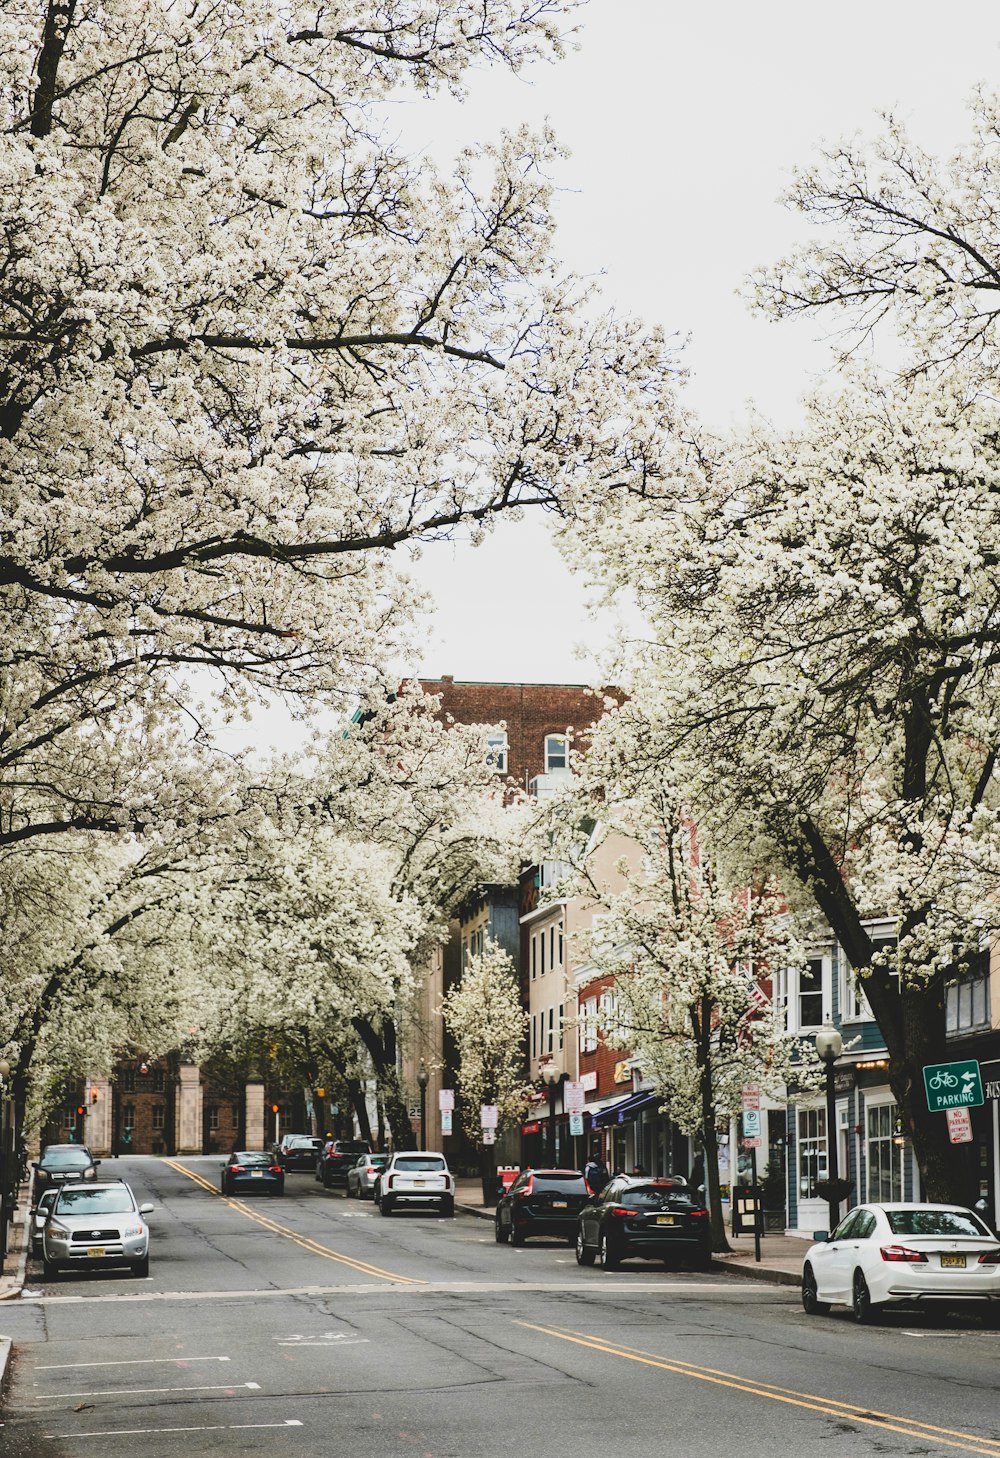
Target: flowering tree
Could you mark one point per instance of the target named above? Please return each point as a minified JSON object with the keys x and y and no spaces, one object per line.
{"x":248,"y":348}
{"x":825,"y":676}
{"x":484,"y":1015}
{"x":689,"y":941}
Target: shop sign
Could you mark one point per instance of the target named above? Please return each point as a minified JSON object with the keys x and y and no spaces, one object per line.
{"x":623,"y":1071}
{"x":990,"y":1073}
{"x":588,"y":1081}
{"x":533,"y":1128}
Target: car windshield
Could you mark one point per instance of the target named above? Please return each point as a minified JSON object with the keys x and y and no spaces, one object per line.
{"x":65,"y":1159}
{"x":563,"y":1180}
{"x":936,"y":1222}
{"x":302,"y":1141}
{"x":93,"y":1202}
{"x":653,"y":1197}
{"x":420,"y":1161}
{"x":250,"y":1157}
{"x":350,"y":1146}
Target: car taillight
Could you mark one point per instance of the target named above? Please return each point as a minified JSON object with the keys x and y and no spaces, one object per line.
{"x":236,"y":1169}
{"x":699,"y":1214}
{"x":620,"y":1210}
{"x":903,"y":1253}
{"x":989,"y":1257}
{"x":526,"y":1190}
{"x":369,"y":1169}
{"x":275,"y":1168}
{"x":389,"y":1180}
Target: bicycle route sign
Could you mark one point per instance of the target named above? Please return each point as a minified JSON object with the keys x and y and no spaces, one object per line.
{"x":953,"y":1085}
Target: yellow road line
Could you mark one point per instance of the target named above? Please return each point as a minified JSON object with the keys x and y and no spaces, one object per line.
{"x":305,"y":1241}
{"x":829,"y":1406}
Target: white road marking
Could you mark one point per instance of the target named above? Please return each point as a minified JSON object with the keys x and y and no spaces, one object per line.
{"x":352,"y":1342}
{"x":211,"y":1428}
{"x":128,"y":1362}
{"x":147,"y":1391}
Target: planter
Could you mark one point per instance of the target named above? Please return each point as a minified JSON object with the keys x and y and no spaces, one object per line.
{"x":835,"y":1190}
{"x":774,"y":1220}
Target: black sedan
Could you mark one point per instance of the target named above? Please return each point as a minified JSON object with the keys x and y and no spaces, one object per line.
{"x":655,"y":1219}
{"x":249,"y":1170}
{"x":541,"y":1202}
{"x":299,"y":1151}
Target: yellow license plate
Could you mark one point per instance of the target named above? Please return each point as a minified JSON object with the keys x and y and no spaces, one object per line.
{"x":419,"y":1183}
{"x":96,"y":1250}
{"x":666,"y":1219}
{"x":559,"y":1204}
{"x":954,"y":1262}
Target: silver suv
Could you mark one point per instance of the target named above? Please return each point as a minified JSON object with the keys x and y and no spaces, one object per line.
{"x":96,"y":1225}
{"x":416,"y":1176}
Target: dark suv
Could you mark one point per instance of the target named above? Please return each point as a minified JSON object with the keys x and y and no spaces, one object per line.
{"x":60,"y":1164}
{"x":299,"y":1151}
{"x":541,"y":1202}
{"x":336,"y":1159}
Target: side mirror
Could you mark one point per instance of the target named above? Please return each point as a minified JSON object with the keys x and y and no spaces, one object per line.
{"x":822,"y":1235}
{"x":146,"y":1209}
{"x":97,"y":1163}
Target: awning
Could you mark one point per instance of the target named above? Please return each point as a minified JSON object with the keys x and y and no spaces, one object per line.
{"x":626,"y":1109}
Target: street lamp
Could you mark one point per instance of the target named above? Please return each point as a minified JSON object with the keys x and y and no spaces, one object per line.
{"x":422,"y":1078}
{"x":6,"y":1164}
{"x":554,"y":1077}
{"x":829,"y":1046}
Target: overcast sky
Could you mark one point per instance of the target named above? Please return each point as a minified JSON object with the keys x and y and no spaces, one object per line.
{"x":684,"y":122}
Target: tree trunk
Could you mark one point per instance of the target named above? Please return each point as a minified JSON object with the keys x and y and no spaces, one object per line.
{"x":381,"y":1045}
{"x":709,"y":1137}
{"x":356,"y":1093}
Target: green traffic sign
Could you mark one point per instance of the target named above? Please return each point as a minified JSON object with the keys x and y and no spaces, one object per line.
{"x":953,"y":1085}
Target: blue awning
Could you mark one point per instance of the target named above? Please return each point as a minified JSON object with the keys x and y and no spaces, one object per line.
{"x":628,"y":1108}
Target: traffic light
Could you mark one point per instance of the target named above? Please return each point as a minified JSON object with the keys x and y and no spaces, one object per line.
{"x":320,"y":1092}
{"x":93,"y":1095}
{"x":274,"y":1108}
{"x":79,"y":1111}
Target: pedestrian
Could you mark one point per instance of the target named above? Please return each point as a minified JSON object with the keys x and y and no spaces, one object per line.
{"x":637,"y":1169}
{"x":595,"y":1172}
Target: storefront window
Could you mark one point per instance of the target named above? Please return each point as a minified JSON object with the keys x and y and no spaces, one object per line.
{"x":812,"y":1151}
{"x":885,"y":1164}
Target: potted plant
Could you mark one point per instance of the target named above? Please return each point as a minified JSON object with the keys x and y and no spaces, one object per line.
{"x":835,"y":1190}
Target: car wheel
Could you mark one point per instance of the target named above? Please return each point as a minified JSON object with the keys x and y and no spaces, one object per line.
{"x":49,"y":1269}
{"x":517,"y":1237}
{"x":224,"y":1186}
{"x":811,"y":1304}
{"x":448,"y":1205}
{"x":584,"y":1257}
{"x":861,"y":1301}
{"x":141,"y":1268}
{"x":385,"y":1205}
{"x":608,"y":1258}
{"x":498,"y":1231}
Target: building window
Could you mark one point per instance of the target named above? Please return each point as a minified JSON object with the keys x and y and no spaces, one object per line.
{"x":967,"y":999}
{"x":811,"y":994}
{"x":556,"y":752}
{"x":236,"y":1116}
{"x":812,"y":1151}
{"x":561,"y":952}
{"x":213,"y":1118}
{"x":541,"y":952}
{"x":496,"y":752}
{"x":159,"y":1116}
{"x":803,"y":994}
{"x":588,"y":1026}
{"x":156,"y":1080}
{"x":534,"y":955}
{"x":534,"y":1036}
{"x":552,"y":1017}
{"x":127,"y":1077}
{"x":561,"y":1021}
{"x":855,"y":1005}
{"x":885,"y":1155}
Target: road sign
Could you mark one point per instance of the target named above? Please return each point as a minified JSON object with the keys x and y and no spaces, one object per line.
{"x":953,"y":1085}
{"x":489,"y":1136}
{"x":752,"y":1143}
{"x":445,"y":1121}
{"x":489,"y":1116}
{"x":751,"y":1096}
{"x":446,"y":1099}
{"x":959,"y":1126}
{"x":574,"y":1097}
{"x":751,"y":1124}
{"x":575,"y":1125}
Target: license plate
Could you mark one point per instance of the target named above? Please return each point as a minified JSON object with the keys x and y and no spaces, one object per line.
{"x":96,"y":1250}
{"x":666,"y":1219}
{"x":419,"y":1184}
{"x":953,"y":1262}
{"x":256,"y":1174}
{"x":559,"y":1204}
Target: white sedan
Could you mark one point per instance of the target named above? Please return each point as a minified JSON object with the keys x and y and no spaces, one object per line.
{"x":911,"y":1254}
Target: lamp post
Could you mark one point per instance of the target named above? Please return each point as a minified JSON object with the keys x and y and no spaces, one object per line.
{"x":6,"y":1167}
{"x":554,"y":1077}
{"x":422,"y":1078}
{"x":829,"y":1046}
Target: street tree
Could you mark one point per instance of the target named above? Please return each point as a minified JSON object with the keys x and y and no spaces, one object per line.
{"x":690,"y":941}
{"x":485,"y":1017}
{"x":823,"y":672}
{"x":249,"y":348}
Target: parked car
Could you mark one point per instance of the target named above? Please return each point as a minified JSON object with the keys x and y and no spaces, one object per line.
{"x":299,"y":1151}
{"x":96,"y":1225}
{"x":655,"y":1219}
{"x":907,"y":1254}
{"x":252,"y":1169}
{"x":416,"y":1176}
{"x":362,"y":1175}
{"x":62,"y":1163}
{"x":336,"y":1159}
{"x":541,"y":1202}
{"x":39,"y":1215}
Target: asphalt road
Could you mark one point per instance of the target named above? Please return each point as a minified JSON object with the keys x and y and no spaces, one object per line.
{"x":309,"y":1326}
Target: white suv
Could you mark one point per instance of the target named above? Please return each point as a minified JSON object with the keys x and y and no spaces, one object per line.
{"x":417,"y":1177}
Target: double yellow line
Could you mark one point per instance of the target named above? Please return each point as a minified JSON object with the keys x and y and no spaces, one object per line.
{"x":886,"y":1422}
{"x":313,"y":1246}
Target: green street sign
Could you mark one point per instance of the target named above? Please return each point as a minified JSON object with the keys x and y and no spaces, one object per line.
{"x":953,"y":1085}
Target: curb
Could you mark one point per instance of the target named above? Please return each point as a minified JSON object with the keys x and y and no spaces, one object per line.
{"x":758,"y":1273}
{"x":477,"y":1210}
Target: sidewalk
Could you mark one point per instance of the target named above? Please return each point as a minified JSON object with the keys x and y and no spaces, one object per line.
{"x":780,"y":1255}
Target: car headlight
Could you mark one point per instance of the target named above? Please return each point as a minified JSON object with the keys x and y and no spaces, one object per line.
{"x":134,"y":1229}
{"x":59,"y":1231}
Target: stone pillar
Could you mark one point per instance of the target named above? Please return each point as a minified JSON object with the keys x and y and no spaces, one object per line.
{"x":97,"y":1116}
{"x":255,"y":1136}
{"x":189,"y":1097}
